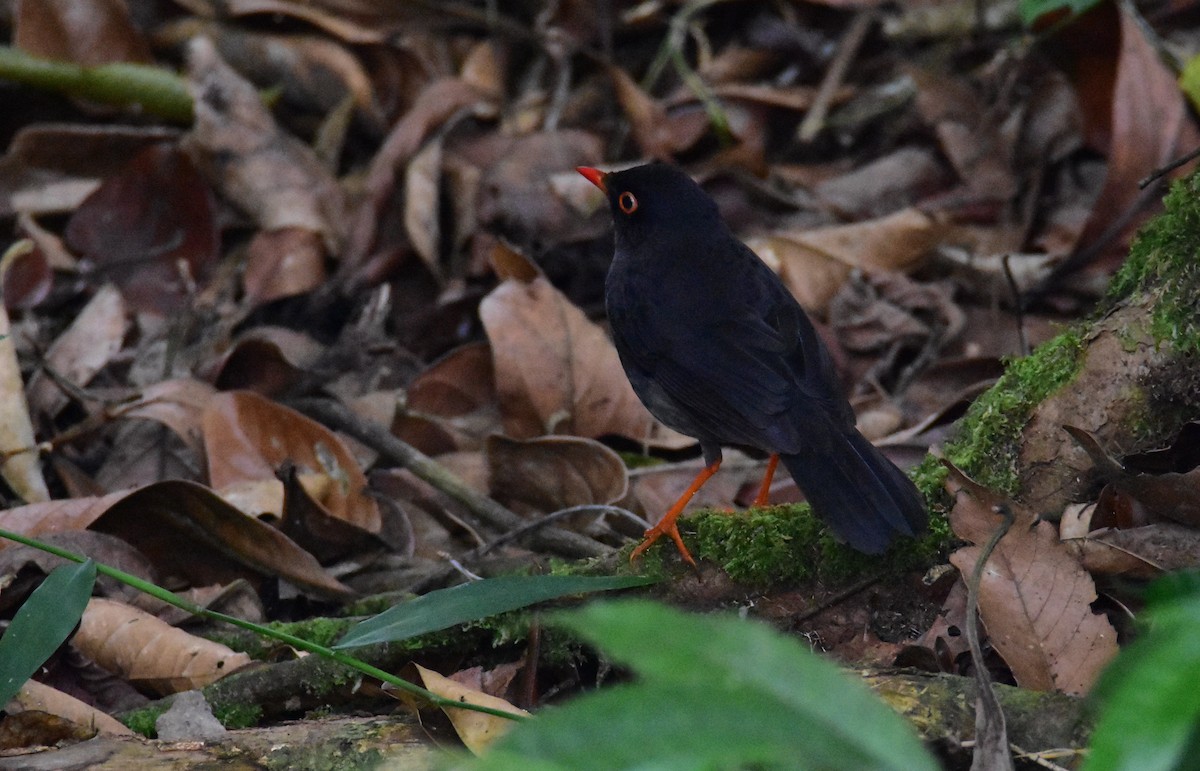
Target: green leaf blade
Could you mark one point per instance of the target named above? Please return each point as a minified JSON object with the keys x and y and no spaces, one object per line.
{"x":713,"y":692}
{"x":43,"y":623}
{"x":477,"y":600}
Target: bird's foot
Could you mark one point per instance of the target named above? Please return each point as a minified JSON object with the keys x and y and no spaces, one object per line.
{"x":658,"y":531}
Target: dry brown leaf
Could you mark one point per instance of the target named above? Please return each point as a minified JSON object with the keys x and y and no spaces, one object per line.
{"x":19,"y":458}
{"x":652,"y":128}
{"x":167,"y":242}
{"x":477,"y":730}
{"x":284,"y":262}
{"x":439,"y":102}
{"x":422,"y":209}
{"x":150,"y":653}
{"x":1034,"y":598}
{"x":248,"y":437}
{"x":56,"y":516}
{"x":266,"y":360}
{"x":1141,"y":552}
{"x":265,"y":171}
{"x":452,"y":404}
{"x":815,"y":263}
{"x":1144,"y":85}
{"x":177,"y":404}
{"x":38,"y":696}
{"x":554,"y":472}
{"x":82,"y":350}
{"x":187,"y":529}
{"x":557,"y":372}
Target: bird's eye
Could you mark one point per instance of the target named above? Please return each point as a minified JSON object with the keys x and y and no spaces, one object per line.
{"x":627,"y":202}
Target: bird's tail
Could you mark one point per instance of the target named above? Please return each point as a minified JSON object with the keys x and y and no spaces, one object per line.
{"x":858,"y":492}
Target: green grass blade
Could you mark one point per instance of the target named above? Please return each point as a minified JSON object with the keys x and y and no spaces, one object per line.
{"x":43,"y":623}
{"x":477,"y":600}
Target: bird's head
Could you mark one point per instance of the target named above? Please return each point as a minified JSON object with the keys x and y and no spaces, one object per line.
{"x":655,"y":201}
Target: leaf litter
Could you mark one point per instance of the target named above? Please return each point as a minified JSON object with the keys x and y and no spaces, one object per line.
{"x":398,"y":228}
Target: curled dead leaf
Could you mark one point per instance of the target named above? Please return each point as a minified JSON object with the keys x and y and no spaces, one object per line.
{"x":151,"y":653}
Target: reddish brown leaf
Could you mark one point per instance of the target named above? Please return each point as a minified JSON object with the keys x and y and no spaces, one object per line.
{"x":177,"y":404}
{"x":1034,"y":598}
{"x":249,"y":438}
{"x":151,"y":230}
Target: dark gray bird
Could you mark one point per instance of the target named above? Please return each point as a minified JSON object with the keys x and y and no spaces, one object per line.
{"x":717,"y":348}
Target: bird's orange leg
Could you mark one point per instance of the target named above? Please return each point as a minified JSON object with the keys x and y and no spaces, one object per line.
{"x":764,"y":491}
{"x":667,"y":526}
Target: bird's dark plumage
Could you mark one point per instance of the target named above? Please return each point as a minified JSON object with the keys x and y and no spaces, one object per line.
{"x":717,"y":348}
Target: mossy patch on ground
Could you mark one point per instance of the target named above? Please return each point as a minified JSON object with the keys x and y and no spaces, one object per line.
{"x":787,"y":544}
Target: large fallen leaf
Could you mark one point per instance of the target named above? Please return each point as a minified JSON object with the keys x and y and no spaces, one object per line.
{"x":249,"y":438}
{"x":1034,"y":597}
{"x":265,"y":171}
{"x":42,"y":698}
{"x":476,"y":729}
{"x":19,"y":458}
{"x":187,"y":529}
{"x":82,"y":350}
{"x":473,"y":601}
{"x":815,"y":263}
{"x":452,"y":404}
{"x":167,"y":241}
{"x":151,"y":653}
{"x":557,"y":372}
{"x":554,"y":472}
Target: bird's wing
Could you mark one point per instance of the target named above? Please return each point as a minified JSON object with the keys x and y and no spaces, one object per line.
{"x":746,"y":377}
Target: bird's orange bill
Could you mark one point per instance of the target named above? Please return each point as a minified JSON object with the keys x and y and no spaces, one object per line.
{"x":764,"y":491}
{"x":667,"y":526}
{"x":595,"y":176}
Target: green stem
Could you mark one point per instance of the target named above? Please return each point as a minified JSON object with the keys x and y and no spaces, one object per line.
{"x":155,"y":90}
{"x":296,"y":642}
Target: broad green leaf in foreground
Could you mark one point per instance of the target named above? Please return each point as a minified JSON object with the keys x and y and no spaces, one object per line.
{"x":1150,"y":719}
{"x":42,"y":623}
{"x":1032,"y":10}
{"x":712,"y":692}
{"x":471,"y":602}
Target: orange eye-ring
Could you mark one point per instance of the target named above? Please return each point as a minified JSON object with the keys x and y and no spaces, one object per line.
{"x":627,"y":202}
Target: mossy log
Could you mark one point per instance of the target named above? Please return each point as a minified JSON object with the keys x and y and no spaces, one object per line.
{"x":1129,"y":375}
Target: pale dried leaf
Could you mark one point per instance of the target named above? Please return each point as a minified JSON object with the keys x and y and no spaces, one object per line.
{"x":41,"y":697}
{"x":150,"y":653}
{"x":422,"y":210}
{"x":19,"y":460}
{"x":82,"y":350}
{"x":477,"y":730}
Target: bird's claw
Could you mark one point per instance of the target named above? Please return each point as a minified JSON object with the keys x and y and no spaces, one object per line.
{"x":658,"y":531}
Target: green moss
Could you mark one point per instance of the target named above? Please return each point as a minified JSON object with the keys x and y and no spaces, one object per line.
{"x":142,"y":720}
{"x":988,"y":438}
{"x":786,"y":544}
{"x":1163,"y":260}
{"x":238,"y":715}
{"x":320,"y":630}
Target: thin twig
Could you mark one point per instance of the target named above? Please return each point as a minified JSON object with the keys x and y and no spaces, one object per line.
{"x":814,"y":121}
{"x":841,"y":596}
